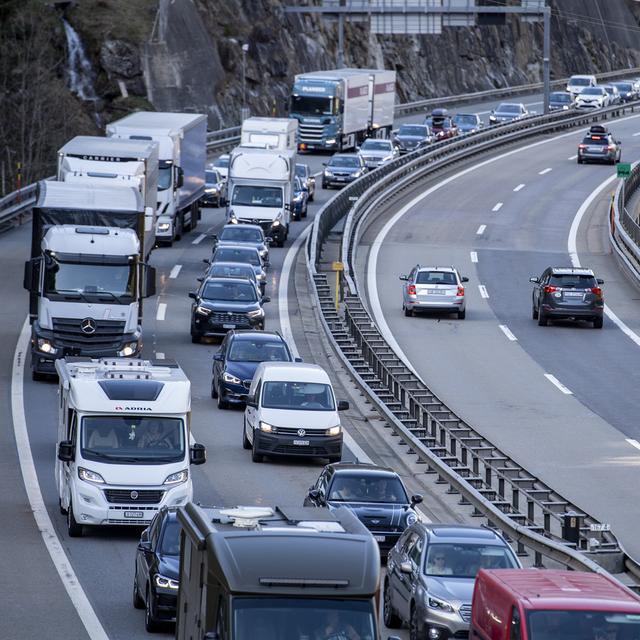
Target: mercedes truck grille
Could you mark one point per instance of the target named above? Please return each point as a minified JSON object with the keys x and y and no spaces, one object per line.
{"x":103,"y":334}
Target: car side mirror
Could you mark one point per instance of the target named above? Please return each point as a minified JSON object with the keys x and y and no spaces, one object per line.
{"x":66,"y":451}
{"x":200,"y":279}
{"x":464,"y":279}
{"x":405,"y":567}
{"x":214,"y":237}
{"x":298,"y":360}
{"x":324,"y":164}
{"x":266,"y":299}
{"x":388,"y":637}
{"x":314,"y":494}
{"x":403,"y":278}
{"x":218,"y":356}
{"x":268,"y":240}
{"x":600,"y":281}
{"x":198,"y":454}
{"x":534,"y":280}
{"x":416,"y":499}
{"x":343,"y":405}
{"x":144,"y":546}
{"x":193,"y":295}
{"x":357,"y":148}
{"x":251,"y":401}
{"x":206,"y":261}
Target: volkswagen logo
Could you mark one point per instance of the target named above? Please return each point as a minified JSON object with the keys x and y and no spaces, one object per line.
{"x":134,"y":495}
{"x":88,"y":326}
{"x":302,"y":433}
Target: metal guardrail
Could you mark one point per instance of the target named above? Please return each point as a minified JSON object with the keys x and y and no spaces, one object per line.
{"x":624,"y":229}
{"x":511,"y":499}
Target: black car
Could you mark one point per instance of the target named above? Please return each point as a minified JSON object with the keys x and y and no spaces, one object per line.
{"x":242,"y":253}
{"x":627,"y":90}
{"x":561,"y":101}
{"x":215,"y":189}
{"x":375,"y":494}
{"x":599,"y":145}
{"x":410,"y":137}
{"x":232,"y":270}
{"x":342,"y":169}
{"x":221,"y":304}
{"x":157,"y":571}
{"x":237,"y":360}
{"x":567,"y":294}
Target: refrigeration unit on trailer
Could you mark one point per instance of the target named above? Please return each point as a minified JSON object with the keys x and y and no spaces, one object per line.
{"x":182,"y":141}
{"x":123,"y":441}
{"x":270,"y":133}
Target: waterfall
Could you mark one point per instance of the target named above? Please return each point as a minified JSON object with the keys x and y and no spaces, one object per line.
{"x":78,"y":66}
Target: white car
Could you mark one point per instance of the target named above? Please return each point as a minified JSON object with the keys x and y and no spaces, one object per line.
{"x":577,"y":84}
{"x":291,"y":410}
{"x":221,"y":165}
{"x":375,"y":151}
{"x":592,"y":98}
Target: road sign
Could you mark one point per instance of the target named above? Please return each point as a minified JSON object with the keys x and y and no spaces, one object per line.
{"x":624,"y":170}
{"x":337,"y":266}
{"x":600,"y":526}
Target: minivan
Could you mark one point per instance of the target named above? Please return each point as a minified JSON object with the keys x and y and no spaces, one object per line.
{"x":577,"y":84}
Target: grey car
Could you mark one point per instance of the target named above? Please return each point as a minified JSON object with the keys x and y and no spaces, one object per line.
{"x":376,"y":151}
{"x":233,"y":270}
{"x":342,"y":169}
{"x":410,"y":137}
{"x":507,"y":112}
{"x":468,"y":122}
{"x":304,"y":173}
{"x":567,"y":294}
{"x":248,"y":255}
{"x":431,"y":573}
{"x":250,"y":235}
{"x":599,"y":145}
{"x":434,"y":289}
{"x":561,"y":101}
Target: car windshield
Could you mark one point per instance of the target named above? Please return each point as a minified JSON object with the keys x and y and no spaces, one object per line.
{"x":170,"y":543}
{"x":232,"y":271}
{"x":239,"y":233}
{"x":573,"y":281}
{"x":376,"y":145}
{"x":211,"y":177}
{"x":244,"y":350}
{"x":622,"y":86}
{"x":252,"y":196}
{"x":436,"y":277}
{"x":132,"y":439}
{"x":580,"y":82}
{"x":164,"y":176}
{"x":463,"y":118}
{"x":592,"y":91}
{"x":441,"y":121}
{"x":230,"y":292}
{"x":413,"y":130}
{"x":306,"y":396}
{"x":560,"y":97}
{"x":508,"y":108}
{"x":302,"y":171}
{"x":582,"y":625}
{"x":358,"y":488}
{"x":304,"y":617}
{"x":237,"y":254}
{"x":464,"y":560}
{"x":222,"y":161}
{"x":343,"y":161}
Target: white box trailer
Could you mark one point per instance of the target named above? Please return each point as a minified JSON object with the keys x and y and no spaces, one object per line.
{"x":182,"y":139}
{"x":272,"y":133}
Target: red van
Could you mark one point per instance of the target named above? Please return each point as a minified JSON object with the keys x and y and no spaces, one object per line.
{"x":534,"y":604}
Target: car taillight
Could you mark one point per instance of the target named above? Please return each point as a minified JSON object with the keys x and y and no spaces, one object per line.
{"x":597,"y":291}
{"x":411,"y":289}
{"x":550,"y":289}
{"x":460,"y":291}
{"x":611,"y":147}
{"x":582,"y":146}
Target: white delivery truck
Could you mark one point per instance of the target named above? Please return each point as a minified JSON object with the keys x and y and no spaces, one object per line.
{"x":338,"y":109}
{"x":182,"y":151}
{"x":109,"y":162}
{"x":270,"y":133}
{"x":260,"y":189}
{"x":123,"y":444}
{"x":87,"y":275}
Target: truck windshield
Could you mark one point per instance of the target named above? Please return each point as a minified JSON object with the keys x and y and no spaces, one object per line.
{"x":278,"y":618}
{"x":132,"y":439}
{"x":114,"y":283}
{"x":164,"y":176}
{"x":312,"y":105}
{"x":252,"y":196}
{"x":306,"y":396}
{"x":583,"y":625}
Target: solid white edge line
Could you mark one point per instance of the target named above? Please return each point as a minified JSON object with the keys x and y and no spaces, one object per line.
{"x":507,"y":332}
{"x":481,"y":229}
{"x":572,"y":157}
{"x":162,"y":311}
{"x":541,"y":173}
{"x":175,"y":271}
{"x":522,"y":185}
{"x":631,"y":441}
{"x":636,"y":134}
{"x":554,"y":381}
{"x":483,"y":291}
{"x":497,"y":206}
{"x":52,"y":543}
{"x":474,"y":256}
{"x":199,"y":239}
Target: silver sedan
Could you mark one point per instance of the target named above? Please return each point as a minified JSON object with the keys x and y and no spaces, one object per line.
{"x":434,"y":289}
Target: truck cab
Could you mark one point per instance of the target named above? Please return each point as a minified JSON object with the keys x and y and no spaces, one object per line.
{"x":123,"y":441}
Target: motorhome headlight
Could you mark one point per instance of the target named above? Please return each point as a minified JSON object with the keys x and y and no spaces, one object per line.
{"x":166,"y":583}
{"x":275,"y":223}
{"x":411,"y":517}
{"x":45,"y":346}
{"x":267,"y":428}
{"x":227,"y":377}
{"x":128,"y":350}
{"x":164,"y":226}
{"x":334,"y":431}
{"x":256,"y":313}
{"x":177,"y":478}
{"x":439,"y":605}
{"x":90,"y":476}
{"x":203,"y":310}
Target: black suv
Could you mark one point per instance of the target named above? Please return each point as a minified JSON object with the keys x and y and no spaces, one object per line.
{"x":375,"y":494}
{"x":237,"y":360}
{"x":563,"y":294}
{"x":221,"y":304}
{"x":157,"y":570}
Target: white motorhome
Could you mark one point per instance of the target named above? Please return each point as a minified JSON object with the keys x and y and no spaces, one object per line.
{"x":270,"y":133}
{"x":182,"y":140}
{"x":260,"y":191}
{"x":123,"y":442}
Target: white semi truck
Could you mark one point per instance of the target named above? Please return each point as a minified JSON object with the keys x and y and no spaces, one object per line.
{"x":260,"y":188}
{"x":87,"y":275}
{"x":182,"y":140}
{"x":110,"y":162}
{"x":338,"y":109}
{"x":124,"y":441}
{"x":271,"y":133}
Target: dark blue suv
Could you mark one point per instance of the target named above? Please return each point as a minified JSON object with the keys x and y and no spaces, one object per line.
{"x":237,"y":360}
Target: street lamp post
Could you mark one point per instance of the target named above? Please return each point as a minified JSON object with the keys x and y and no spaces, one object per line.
{"x":245,"y":48}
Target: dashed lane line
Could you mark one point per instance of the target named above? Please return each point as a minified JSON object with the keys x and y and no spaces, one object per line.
{"x":572,"y":157}
{"x":631,"y":441}
{"x":507,"y":332}
{"x":481,"y":229}
{"x":556,"y":383}
{"x":521,"y":186}
{"x":483,"y":291}
{"x":474,"y":256}
{"x":545,"y":171}
{"x":162,"y":311}
{"x":497,"y":206}
{"x":199,"y":239}
{"x":175,"y":271}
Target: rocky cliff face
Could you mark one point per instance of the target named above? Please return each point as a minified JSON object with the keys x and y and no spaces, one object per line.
{"x":187,"y":55}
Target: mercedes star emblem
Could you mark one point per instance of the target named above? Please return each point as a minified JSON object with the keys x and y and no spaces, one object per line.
{"x":301,"y":433}
{"x":88,"y":326}
{"x":134,"y":495}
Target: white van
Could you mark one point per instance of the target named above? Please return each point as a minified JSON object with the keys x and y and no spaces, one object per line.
{"x":292,"y":411}
{"x":577,"y":84}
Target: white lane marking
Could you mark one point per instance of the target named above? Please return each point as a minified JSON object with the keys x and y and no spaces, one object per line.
{"x":56,"y":551}
{"x":175,"y":271}
{"x":572,"y":157}
{"x":199,"y":239}
{"x":481,"y":229}
{"x":636,"y":134}
{"x":554,"y":381}
{"x":317,"y":175}
{"x":507,"y":332}
{"x":159,"y":355}
{"x":474,"y":256}
{"x":497,"y":206}
{"x":483,"y":291}
{"x":519,"y":187}
{"x":572,"y":248}
{"x":541,"y":173}
{"x":162,"y":311}
{"x":631,"y":441}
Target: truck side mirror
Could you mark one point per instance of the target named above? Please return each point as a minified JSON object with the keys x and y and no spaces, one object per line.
{"x":66,"y":451}
{"x":179,"y":177}
{"x":149,"y":281}
{"x":32,"y":274}
{"x":405,"y":567}
{"x":198,"y":454}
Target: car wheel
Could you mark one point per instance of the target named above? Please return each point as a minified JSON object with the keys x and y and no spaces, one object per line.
{"x":334,"y":459}
{"x":389,"y":616}
{"x":304,"y":213}
{"x":245,"y":441}
{"x":542,"y":318}
{"x":414,"y":624}
{"x":311,"y":197}
{"x":195,"y":338}
{"x":462,"y":314}
{"x":222,"y":403}
{"x":407,"y":312}
{"x":214,"y":393}
{"x":36,"y":376}
{"x":138,"y":602}
{"x":598,"y":322}
{"x":534,"y":312}
{"x":579,"y":161}
{"x":63,"y":511}
{"x":150,"y":623}
{"x":280,"y":243}
{"x":74,"y":529}
{"x":255,"y":456}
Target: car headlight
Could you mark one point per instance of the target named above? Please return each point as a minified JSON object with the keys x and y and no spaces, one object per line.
{"x":45,"y":346}
{"x":163,"y":226}
{"x":492,"y":118}
{"x":411,"y":517}
{"x":275,"y":223}
{"x":166,"y":583}
{"x":297,"y":198}
{"x":232,"y":218}
{"x":267,"y":428}
{"x":565,"y":107}
{"x":211,"y":190}
{"x":90,"y":476}
{"x":227,"y":377}
{"x":260,"y":277}
{"x":331,"y":141}
{"x":203,"y":310}
{"x":256,"y":313}
{"x":328,"y":173}
{"x":387,"y":158}
{"x":128,"y":350}
{"x":357,"y":174}
{"x":334,"y":431}
{"x":177,"y":478}
{"x":440,"y":605}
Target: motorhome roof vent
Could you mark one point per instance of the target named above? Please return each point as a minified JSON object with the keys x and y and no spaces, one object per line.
{"x":97,"y":231}
{"x":247,"y":517}
{"x":128,"y":389}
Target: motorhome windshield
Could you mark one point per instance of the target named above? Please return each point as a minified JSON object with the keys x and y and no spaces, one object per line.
{"x":303,"y":617}
{"x":253,"y":196}
{"x":587,"y":625}
{"x":132,"y":439}
{"x":164,"y":176}
{"x":108,"y":283}
{"x":313,"y":105}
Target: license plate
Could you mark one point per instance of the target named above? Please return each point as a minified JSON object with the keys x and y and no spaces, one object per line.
{"x":379,"y":538}
{"x":228,"y":326}
{"x":573,"y":294}
{"x":339,"y":179}
{"x":134,"y":515}
{"x":301,"y":443}
{"x":436,"y":292}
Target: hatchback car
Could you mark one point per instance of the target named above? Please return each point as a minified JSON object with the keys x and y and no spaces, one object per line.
{"x":468,"y":122}
{"x":434,"y":289}
{"x":599,"y":145}
{"x":628,"y":91}
{"x":215,"y":189}
{"x":592,"y":98}
{"x":221,"y":165}
{"x":221,"y":304}
{"x":237,"y":360}
{"x":410,"y":137}
{"x":614,"y":94}
{"x":561,"y":101}
{"x":567,"y":294}
{"x":157,"y":570}
{"x":342,"y":169}
{"x":376,"y":152}
{"x":248,"y":255}
{"x":300,"y":199}
{"x":442,"y":125}
{"x":303,"y":172}
{"x":249,"y":235}
{"x":508,"y":112}
{"x":431,"y":573}
{"x":375,"y":494}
